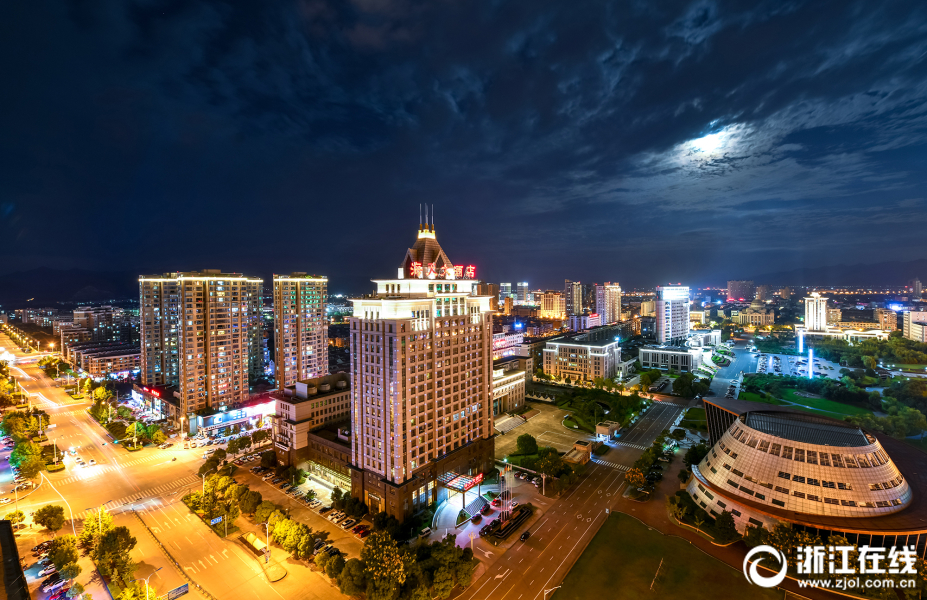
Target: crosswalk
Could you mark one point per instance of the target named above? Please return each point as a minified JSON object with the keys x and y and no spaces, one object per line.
{"x":161,"y":489}
{"x":87,"y":473}
{"x":599,"y":461}
{"x":627,"y":445}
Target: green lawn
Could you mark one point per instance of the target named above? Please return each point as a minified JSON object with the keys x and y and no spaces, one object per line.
{"x":919,"y":444}
{"x":751,"y":397}
{"x":694,"y":419}
{"x":823,"y":404}
{"x":623,"y":558}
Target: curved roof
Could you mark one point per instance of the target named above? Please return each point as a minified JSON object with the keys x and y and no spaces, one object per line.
{"x":806,"y":429}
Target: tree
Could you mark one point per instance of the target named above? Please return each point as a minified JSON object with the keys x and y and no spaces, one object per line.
{"x":76,"y":590}
{"x":724,"y":525}
{"x":269,"y":459}
{"x":352,"y":581}
{"x":699,"y":520}
{"x":263,"y":511}
{"x":51,"y":517}
{"x":112,"y":554}
{"x":31,"y":467}
{"x":526,"y":444}
{"x":259,"y":436}
{"x":233,"y":445}
{"x":248,"y":501}
{"x":101,"y":393}
{"x":695,"y":454}
{"x":683,"y":475}
{"x":321,"y":560}
{"x":157,"y":436}
{"x":635,"y":478}
{"x":138,"y":590}
{"x":220,"y":454}
{"x":95,"y":525}
{"x":63,"y":551}
{"x":335,"y":566}
{"x":16,"y":517}
{"x":23,"y":452}
{"x":210,"y":465}
{"x":385,"y":569}
{"x":443,"y":583}
{"x":70,"y":570}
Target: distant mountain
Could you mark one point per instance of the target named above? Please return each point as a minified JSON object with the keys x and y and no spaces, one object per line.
{"x":895,"y":273}
{"x":65,"y":285}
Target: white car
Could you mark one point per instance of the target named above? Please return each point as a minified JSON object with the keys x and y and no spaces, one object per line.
{"x":48,"y":571}
{"x":91,"y":462}
{"x":5,"y":500}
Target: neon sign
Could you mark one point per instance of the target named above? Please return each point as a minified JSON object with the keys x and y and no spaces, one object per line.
{"x":415,"y":269}
{"x":470,"y":272}
{"x":431,"y":272}
{"x":458,"y":271}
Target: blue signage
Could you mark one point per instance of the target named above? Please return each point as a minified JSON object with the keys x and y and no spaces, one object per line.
{"x":216,"y":520}
{"x":178,"y":591}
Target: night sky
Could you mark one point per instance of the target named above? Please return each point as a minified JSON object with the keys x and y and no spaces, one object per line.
{"x":640,"y":142}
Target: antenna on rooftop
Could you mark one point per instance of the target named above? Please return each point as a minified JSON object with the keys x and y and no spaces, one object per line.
{"x":419,"y":216}
{"x":426,"y":216}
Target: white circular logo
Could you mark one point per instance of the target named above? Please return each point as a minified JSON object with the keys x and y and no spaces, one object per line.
{"x":754,"y":577}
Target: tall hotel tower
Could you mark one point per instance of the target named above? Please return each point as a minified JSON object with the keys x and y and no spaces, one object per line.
{"x":300,"y":332}
{"x":816,"y":312}
{"x":421,"y":370}
{"x":201,"y":332}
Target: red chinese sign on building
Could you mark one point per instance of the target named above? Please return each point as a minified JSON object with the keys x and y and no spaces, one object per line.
{"x":415,"y":269}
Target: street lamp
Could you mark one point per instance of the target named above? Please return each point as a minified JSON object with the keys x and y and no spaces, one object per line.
{"x":146,"y":580}
{"x":267,"y":543}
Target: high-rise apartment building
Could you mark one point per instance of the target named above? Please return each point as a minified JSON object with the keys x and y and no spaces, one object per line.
{"x":573,"y":296}
{"x":741,"y":291}
{"x":608,"y":302}
{"x":553,"y":305}
{"x":421,"y":371}
{"x":916,"y":288}
{"x":815,"y":312}
{"x":887,"y":318}
{"x":505,"y":291}
{"x":201,"y":332}
{"x":521,"y":296}
{"x":300,"y":330}
{"x":490,"y":289}
{"x":672,"y":310}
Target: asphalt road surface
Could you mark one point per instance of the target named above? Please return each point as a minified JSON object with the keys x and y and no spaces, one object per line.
{"x":743,"y":361}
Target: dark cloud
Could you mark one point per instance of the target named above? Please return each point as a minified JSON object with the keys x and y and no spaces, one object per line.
{"x":633,"y":141}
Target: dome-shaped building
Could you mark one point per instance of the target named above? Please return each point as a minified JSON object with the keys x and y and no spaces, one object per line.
{"x":826,"y":476}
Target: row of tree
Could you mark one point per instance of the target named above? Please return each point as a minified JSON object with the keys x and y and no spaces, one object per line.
{"x":24,"y":427}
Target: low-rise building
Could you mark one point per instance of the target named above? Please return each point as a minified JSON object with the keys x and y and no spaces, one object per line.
{"x":704,"y":337}
{"x":509,"y":376}
{"x":304,"y":406}
{"x":506,"y":342}
{"x":756,"y":314}
{"x":580,"y":453}
{"x":116,"y":363}
{"x":161,"y":401}
{"x":673,"y":358}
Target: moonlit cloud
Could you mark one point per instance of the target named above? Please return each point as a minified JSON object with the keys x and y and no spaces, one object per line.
{"x":541,"y":131}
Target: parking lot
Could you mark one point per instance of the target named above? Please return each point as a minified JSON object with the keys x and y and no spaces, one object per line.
{"x":784,"y":364}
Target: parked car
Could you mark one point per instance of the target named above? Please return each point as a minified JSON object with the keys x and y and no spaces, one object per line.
{"x":349,"y":523}
{"x":50,"y":569}
{"x":476,"y":518}
{"x":91,"y":462}
{"x":41,"y":546}
{"x":60,"y":594}
{"x":487,"y":509}
{"x":364,"y":533}
{"x":324,"y":510}
{"x":425,"y":532}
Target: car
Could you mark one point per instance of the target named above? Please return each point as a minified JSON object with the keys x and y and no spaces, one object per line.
{"x":476,"y":518}
{"x":49,"y":570}
{"x":60,"y":594}
{"x":364,"y":533}
{"x":359,"y":528}
{"x":324,"y":510}
{"x":41,"y":546}
{"x":276,"y":480}
{"x":91,"y":462}
{"x":494,"y":522}
{"x":315,"y":503}
{"x":524,"y":536}
{"x":514,"y":503}
{"x":496,"y":501}
{"x":425,"y":532}
{"x":55,"y":585}
{"x":487,"y":509}
{"x":5,"y":500}
{"x":349,"y":523}
{"x":484,"y":530}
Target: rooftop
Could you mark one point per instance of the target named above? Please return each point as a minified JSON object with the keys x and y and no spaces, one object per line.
{"x":806,"y":429}
{"x":329,"y":432}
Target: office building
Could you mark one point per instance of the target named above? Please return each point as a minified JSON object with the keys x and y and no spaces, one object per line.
{"x":508,"y":306}
{"x":505,"y":290}
{"x":582,"y":357}
{"x":824,"y":476}
{"x":608,"y":302}
{"x":741,"y":291}
{"x":553,"y":305}
{"x":573,"y":294}
{"x":582,"y":322}
{"x":834,"y":315}
{"x":915,"y":325}
{"x":201,"y":332}
{"x":672,"y":312}
{"x":492,"y":290}
{"x":521,"y":296}
{"x":916,"y":289}
{"x":670,"y":358}
{"x":300,"y":328}
{"x":421,"y":370}
{"x":816,"y":312}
